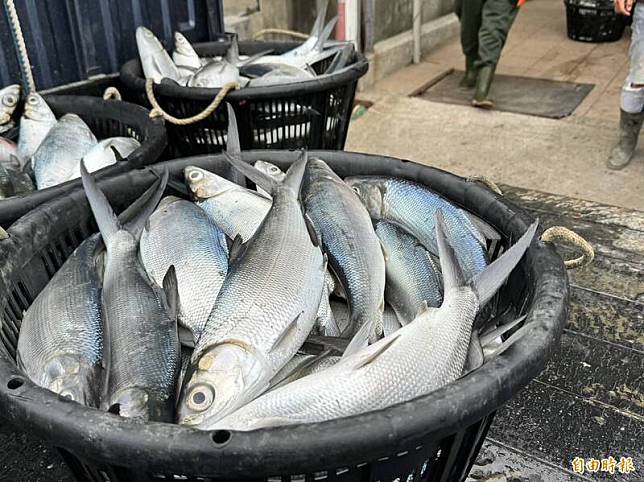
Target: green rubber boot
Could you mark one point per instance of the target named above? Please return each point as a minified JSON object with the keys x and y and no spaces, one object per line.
{"x":629,"y":132}
{"x":483,"y":83}
{"x":469,"y":79}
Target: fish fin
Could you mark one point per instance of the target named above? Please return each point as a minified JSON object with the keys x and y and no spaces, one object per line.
{"x":517,"y":335}
{"x":325,"y":34}
{"x":295,"y":172}
{"x":360,"y":340}
{"x":475,"y":356}
{"x":341,"y":59}
{"x":186,"y":338}
{"x":117,"y":154}
{"x":107,"y":221}
{"x":373,"y":352}
{"x":267,"y":183}
{"x":315,"y":238}
{"x":137,"y":205}
{"x":136,"y":225}
{"x":487,"y":282}
{"x":253,"y":58}
{"x":483,"y":230}
{"x":500,"y":330}
{"x":233,"y":146}
{"x":390,"y":324}
{"x":171,"y":289}
{"x":292,"y":327}
{"x":232,"y":54}
{"x":452,"y":273}
{"x":235,"y":249}
{"x":318,"y":25}
{"x":15,"y":161}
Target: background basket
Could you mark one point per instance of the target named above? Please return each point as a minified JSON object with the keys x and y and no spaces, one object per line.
{"x":268,"y":117}
{"x":593,"y":21}
{"x":106,"y":118}
{"x":434,"y":437}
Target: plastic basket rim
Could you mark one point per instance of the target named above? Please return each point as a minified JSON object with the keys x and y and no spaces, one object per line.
{"x":175,"y":448}
{"x":131,"y":76}
{"x":153,"y":133}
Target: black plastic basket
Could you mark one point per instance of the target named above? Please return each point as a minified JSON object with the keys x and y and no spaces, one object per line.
{"x":272,"y":117}
{"x":593,"y":21}
{"x":106,"y":118}
{"x":434,"y":437}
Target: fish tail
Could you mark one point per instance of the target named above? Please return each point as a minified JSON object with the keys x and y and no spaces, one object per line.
{"x":295,"y":172}
{"x":136,"y":225}
{"x":108,"y":224}
{"x":325,"y":34}
{"x":316,"y":31}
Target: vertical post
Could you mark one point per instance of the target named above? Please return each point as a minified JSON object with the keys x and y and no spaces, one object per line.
{"x":368,"y":14}
{"x":352,"y":22}
{"x":417,"y":19}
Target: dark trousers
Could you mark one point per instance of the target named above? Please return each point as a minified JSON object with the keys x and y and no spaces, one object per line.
{"x":485,"y":25}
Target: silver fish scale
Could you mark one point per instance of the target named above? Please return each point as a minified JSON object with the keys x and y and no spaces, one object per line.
{"x":348,"y":239}
{"x":426,"y":354}
{"x":142,"y":339}
{"x":412,"y":276}
{"x":182,"y":235}
{"x":412,"y":207}
{"x":238,"y":211}
{"x":65,"y":318}
{"x":278,"y":277}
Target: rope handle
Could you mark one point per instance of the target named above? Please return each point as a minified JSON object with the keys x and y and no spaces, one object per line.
{"x":560,"y":233}
{"x":280,"y":31}
{"x":157,"y":110}
{"x":487,"y":182}
{"x":112,"y":93}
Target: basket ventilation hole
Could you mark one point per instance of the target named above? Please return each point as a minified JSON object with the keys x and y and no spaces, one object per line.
{"x":115,"y":409}
{"x":220,"y":437}
{"x":15,"y":383}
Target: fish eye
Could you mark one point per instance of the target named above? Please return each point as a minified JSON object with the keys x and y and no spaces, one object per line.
{"x":148,"y":33}
{"x":274,"y":169}
{"x":33,"y":100}
{"x":200,"y":398}
{"x":356,"y":190}
{"x":10,"y":100}
{"x":67,"y":394}
{"x":195,"y":175}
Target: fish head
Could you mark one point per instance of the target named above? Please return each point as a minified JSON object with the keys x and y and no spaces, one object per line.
{"x":205,"y":184}
{"x":319,"y":169}
{"x":9,"y":97}
{"x":371,"y":193}
{"x":71,"y":378}
{"x":37,"y":109}
{"x":147,"y":42}
{"x":224,"y":378}
{"x":182,"y":46}
{"x":215,"y":75}
{"x":137,"y":403}
{"x":270,"y":170}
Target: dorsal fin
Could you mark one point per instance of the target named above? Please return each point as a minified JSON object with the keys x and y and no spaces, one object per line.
{"x":171,"y":289}
{"x":235,"y":249}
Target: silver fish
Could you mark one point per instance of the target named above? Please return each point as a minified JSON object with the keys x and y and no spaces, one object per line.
{"x":36,"y":122}
{"x":155,"y":61}
{"x":270,"y":170}
{"x":412,"y":206}
{"x":180,"y":234}
{"x":142,"y":344}
{"x":103,"y":155}
{"x":420,"y":357}
{"x":63,"y":148}
{"x":413,"y":279}
{"x":265,"y":309}
{"x":342,"y":315}
{"x":275,"y":74}
{"x":235,"y":209}
{"x":302,"y":365}
{"x":184,"y":56}
{"x":9,"y":97}
{"x":348,"y":239}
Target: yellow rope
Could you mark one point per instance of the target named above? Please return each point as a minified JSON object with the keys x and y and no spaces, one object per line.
{"x":487,"y":182}
{"x":112,"y":93}
{"x":157,"y":110}
{"x":280,"y":31}
{"x":559,"y":233}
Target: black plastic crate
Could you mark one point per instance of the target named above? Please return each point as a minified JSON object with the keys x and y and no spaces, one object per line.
{"x":275,"y":117}
{"x":593,"y":21}
{"x":106,"y":118}
{"x":435,"y":437}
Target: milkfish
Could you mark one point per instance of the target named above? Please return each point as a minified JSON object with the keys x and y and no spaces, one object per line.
{"x":105,"y":153}
{"x":265,"y":310}
{"x":417,"y":359}
{"x":36,"y":122}
{"x":155,"y":61}
{"x":9,"y":97}
{"x":142,"y":353}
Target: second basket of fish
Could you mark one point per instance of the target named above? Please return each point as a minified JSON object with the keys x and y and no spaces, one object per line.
{"x":44,"y":138}
{"x":287,"y":94}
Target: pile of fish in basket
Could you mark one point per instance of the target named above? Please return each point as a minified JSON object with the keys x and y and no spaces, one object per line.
{"x":312,"y":299}
{"x":49,"y":150}
{"x":186,"y":68}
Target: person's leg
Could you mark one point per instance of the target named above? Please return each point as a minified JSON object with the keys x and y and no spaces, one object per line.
{"x":632,"y":103}
{"x":497,"y":18}
{"x":469,"y":12}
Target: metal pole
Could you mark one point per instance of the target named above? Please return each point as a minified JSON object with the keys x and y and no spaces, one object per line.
{"x":416,"y":18}
{"x":368,"y":14}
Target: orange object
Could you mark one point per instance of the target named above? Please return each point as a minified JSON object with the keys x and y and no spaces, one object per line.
{"x":520,"y":3}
